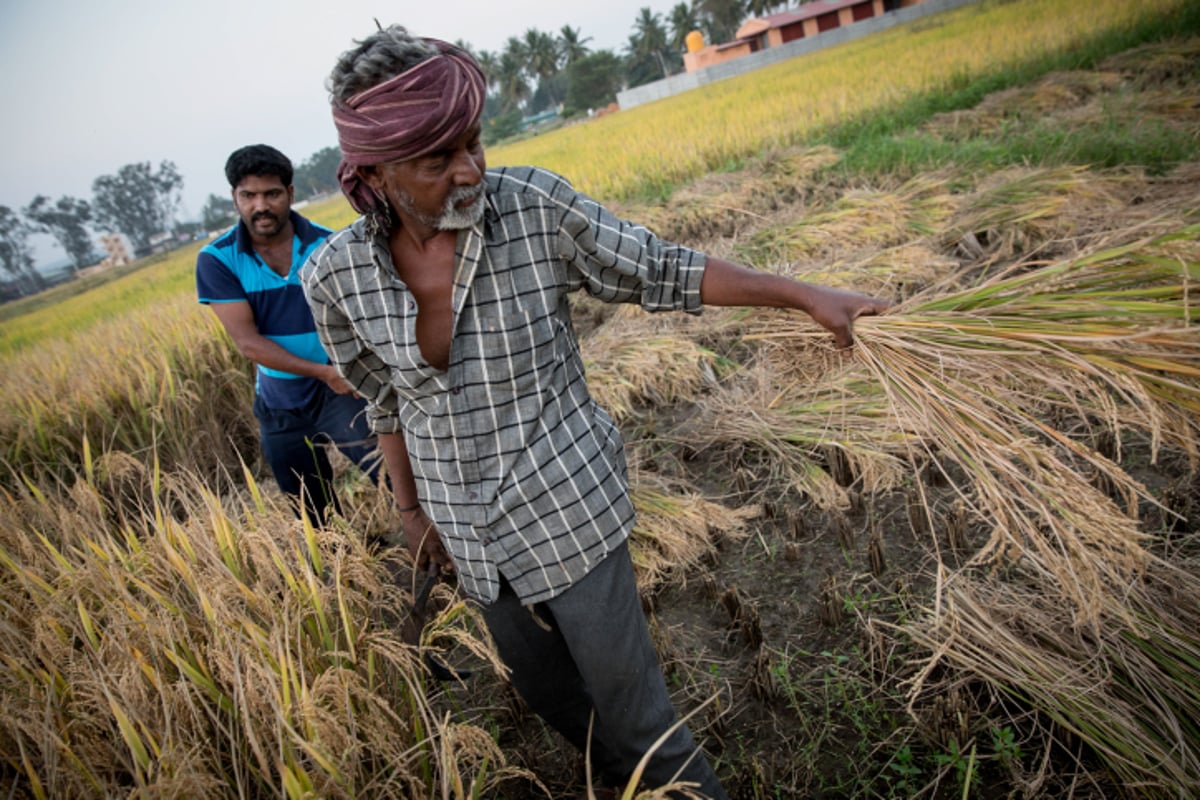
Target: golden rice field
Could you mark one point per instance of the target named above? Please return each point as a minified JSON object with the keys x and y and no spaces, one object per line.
{"x":962,"y":560}
{"x":656,"y":147}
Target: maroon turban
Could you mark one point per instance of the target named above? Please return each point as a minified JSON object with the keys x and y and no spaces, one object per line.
{"x":415,"y":113}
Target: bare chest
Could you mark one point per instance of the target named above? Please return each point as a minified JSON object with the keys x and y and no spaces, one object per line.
{"x":429,"y":275}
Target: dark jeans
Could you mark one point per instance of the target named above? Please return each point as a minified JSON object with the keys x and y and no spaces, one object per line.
{"x":294,"y":442}
{"x":597,"y":656}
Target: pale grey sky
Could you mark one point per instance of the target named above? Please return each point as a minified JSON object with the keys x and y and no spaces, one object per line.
{"x":88,"y":86}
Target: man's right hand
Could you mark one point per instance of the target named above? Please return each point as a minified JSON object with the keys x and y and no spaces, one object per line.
{"x":424,"y":542}
{"x":336,"y":382}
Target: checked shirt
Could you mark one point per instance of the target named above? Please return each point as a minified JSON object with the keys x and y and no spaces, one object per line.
{"x":520,"y":469}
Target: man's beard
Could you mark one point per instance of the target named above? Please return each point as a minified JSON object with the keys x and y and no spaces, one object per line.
{"x":277,"y":223}
{"x":452,"y":217}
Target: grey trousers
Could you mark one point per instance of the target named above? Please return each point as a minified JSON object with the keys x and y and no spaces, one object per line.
{"x":597,"y":656}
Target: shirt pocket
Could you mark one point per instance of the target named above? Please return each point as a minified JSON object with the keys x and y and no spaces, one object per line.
{"x":517,"y":352}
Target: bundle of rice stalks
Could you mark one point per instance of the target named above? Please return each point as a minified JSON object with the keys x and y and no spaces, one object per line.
{"x":795,"y":426}
{"x":859,"y":220}
{"x":1128,"y":687}
{"x":899,"y":271}
{"x":722,"y":203}
{"x":1053,"y":94}
{"x":677,"y":527}
{"x":1158,"y":63}
{"x":236,"y":654}
{"x":1020,"y":210}
{"x":1006,"y":384}
{"x":632,"y":360}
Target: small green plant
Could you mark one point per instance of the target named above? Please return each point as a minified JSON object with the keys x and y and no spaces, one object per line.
{"x":906,"y":771}
{"x":1005,"y":746}
{"x":963,"y":765}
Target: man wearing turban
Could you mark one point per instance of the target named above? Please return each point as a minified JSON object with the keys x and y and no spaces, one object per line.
{"x":446,"y":306}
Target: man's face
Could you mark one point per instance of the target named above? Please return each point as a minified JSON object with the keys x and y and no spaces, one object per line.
{"x":442,"y":190}
{"x":262,"y":201}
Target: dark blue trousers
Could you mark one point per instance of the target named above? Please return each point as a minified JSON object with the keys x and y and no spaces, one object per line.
{"x":294,"y":442}
{"x":595,"y":655}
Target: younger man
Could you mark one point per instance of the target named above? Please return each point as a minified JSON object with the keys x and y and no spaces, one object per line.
{"x":250,"y":278}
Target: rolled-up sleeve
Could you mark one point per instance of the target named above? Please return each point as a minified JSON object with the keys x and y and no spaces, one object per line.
{"x":622,"y":262}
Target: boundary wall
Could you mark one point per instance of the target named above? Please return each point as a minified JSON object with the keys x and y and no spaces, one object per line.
{"x":649,"y":92}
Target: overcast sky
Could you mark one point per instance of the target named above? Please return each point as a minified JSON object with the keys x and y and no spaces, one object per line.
{"x":88,"y":86}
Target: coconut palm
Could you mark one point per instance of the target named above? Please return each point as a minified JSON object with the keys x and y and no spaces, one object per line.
{"x":682,"y":21}
{"x":721,"y":18}
{"x":510,"y":75}
{"x":571,"y":45}
{"x":542,"y":60}
{"x":648,"y":44}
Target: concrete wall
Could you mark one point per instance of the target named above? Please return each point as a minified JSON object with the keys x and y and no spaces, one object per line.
{"x":675,"y":84}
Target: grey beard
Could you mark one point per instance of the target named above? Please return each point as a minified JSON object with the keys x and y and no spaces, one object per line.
{"x":454,"y":218}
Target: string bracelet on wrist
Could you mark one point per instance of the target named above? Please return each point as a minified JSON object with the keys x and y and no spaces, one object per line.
{"x":409,"y":508}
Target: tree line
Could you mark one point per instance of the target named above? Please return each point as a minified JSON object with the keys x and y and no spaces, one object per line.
{"x":138,"y":200}
{"x":539,"y":71}
{"x":535,"y":73}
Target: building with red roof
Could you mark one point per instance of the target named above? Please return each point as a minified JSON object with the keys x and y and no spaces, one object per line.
{"x":773,"y":30}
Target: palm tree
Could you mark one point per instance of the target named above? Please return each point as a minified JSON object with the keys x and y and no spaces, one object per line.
{"x":683,"y":21}
{"x":721,"y":18}
{"x":649,"y":39}
{"x":761,"y":8}
{"x":541,"y":59}
{"x":570,"y":46}
{"x":510,"y":75}
{"x":489,"y":64}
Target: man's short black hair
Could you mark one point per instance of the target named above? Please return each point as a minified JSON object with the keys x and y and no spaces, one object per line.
{"x":257,"y":159}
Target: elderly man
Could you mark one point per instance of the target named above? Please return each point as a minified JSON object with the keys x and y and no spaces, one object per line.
{"x":445,"y":305}
{"x":250,"y":278}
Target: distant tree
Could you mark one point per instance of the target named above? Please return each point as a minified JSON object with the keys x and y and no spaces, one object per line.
{"x":594,"y":80}
{"x":649,"y":52}
{"x":683,"y":20}
{"x":138,"y":201}
{"x":541,"y":63}
{"x":721,"y":18}
{"x":15,"y":259}
{"x":218,"y":213}
{"x":501,"y":126}
{"x":66,"y":220}
{"x":317,"y":174}
{"x":510,"y":75}
{"x":761,"y":8}
{"x":571,"y":46}
{"x":488,"y":63}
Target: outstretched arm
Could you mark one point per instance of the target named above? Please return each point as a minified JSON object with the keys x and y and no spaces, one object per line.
{"x":728,"y":284}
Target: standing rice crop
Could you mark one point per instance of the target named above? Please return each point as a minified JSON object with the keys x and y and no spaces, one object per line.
{"x":236,"y":653}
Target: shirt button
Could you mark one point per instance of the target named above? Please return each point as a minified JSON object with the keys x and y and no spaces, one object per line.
{"x":473,"y":495}
{"x":456,"y":390}
{"x":412,"y":304}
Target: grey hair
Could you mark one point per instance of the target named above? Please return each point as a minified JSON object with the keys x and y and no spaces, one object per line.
{"x":382,"y":55}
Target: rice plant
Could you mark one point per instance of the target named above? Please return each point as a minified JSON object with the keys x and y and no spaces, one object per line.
{"x":238,"y":652}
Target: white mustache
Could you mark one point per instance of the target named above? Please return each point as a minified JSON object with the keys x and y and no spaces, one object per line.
{"x":461,"y":193}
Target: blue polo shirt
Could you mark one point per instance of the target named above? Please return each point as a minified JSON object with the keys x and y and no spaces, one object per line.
{"x":229,"y":271}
